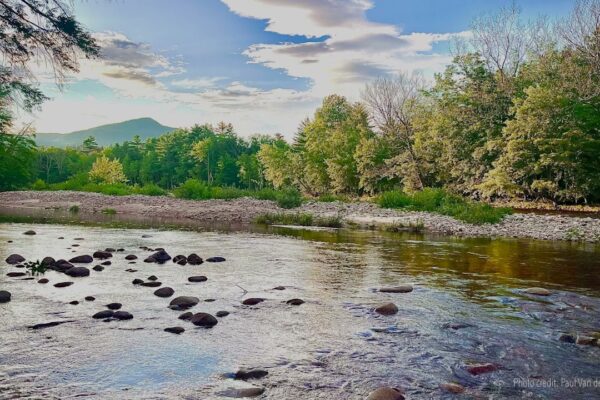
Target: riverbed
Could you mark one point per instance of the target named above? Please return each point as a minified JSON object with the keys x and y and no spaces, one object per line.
{"x":469,"y":307}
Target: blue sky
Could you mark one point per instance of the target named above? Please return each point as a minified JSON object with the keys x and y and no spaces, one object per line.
{"x":261,"y":64}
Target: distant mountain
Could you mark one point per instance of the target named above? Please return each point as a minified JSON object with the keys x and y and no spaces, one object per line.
{"x":106,"y":134}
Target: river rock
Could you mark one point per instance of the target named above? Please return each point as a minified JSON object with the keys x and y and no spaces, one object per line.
{"x":62,"y":265}
{"x":164,"y":292}
{"x":386,"y":309}
{"x":98,"y":268}
{"x":102,"y":255}
{"x":83,"y":259}
{"x":122,"y":315}
{"x":48,"y":261}
{"x":199,"y":278}
{"x":186,"y":315}
{"x":78,"y":272}
{"x":478,"y":369}
{"x":114,"y":306}
{"x":222,"y":314}
{"x":137,"y":281}
{"x":204,"y":319}
{"x":74,"y":302}
{"x":537,"y":291}
{"x":151,"y":284}
{"x":106,"y":263}
{"x":90,"y":298}
{"x":109,"y":250}
{"x":62,"y":284}
{"x":178,"y":330}
{"x":131,"y":257}
{"x":567,"y":338}
{"x":451,"y":387}
{"x":15,"y":274}
{"x":29,"y":233}
{"x":149,"y":259}
{"x":152,"y":278}
{"x":179,"y":257}
{"x":215,"y":259}
{"x":161,"y":256}
{"x":14,"y":259}
{"x":252,"y":301}
{"x":242,"y":392}
{"x":397,"y":289}
{"x":245,"y":375}
{"x":295,"y":302}
{"x":43,"y":281}
{"x":585,"y":340}
{"x":194,"y":259}
{"x":386,"y":393}
{"x":183,"y":302}
{"x":4,"y":296}
{"x":279,"y":288}
{"x":103,"y":314}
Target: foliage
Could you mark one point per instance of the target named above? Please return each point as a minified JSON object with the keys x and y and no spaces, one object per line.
{"x":442,"y":202}
{"x":107,"y":171}
{"x":17,"y":157}
{"x":109,"y":211}
{"x":302,"y":219}
{"x":289,"y":198}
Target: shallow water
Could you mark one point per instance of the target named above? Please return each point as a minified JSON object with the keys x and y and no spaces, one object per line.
{"x":332,"y":347}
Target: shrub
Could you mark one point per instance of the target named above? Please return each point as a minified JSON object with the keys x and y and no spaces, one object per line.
{"x":151,"y":189}
{"x":330,"y":198}
{"x":39,"y":185}
{"x":193,"y":189}
{"x":289,"y":198}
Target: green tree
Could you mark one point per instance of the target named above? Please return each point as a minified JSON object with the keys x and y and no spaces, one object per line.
{"x":108,"y":171}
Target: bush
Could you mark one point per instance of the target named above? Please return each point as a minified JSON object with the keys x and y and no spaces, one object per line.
{"x":150,"y":189}
{"x":330,"y":198}
{"x":193,"y":189}
{"x":39,"y":185}
{"x":289,"y":198}
{"x":442,"y":202}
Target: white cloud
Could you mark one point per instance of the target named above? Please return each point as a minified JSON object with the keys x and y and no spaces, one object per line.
{"x":197,"y":83}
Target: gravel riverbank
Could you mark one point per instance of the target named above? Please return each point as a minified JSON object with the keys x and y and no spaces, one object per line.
{"x":245,"y":210}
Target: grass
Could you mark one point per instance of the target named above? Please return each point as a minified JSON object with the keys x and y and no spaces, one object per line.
{"x":301,"y":219}
{"x":74,"y":209}
{"x":442,"y":202}
{"x":109,"y":211}
{"x":193,"y":189}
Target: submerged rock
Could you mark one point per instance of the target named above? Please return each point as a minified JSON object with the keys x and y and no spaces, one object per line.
{"x":152,"y":278}
{"x":451,"y":387}
{"x":131,"y":257}
{"x":386,"y":309}
{"x":103,"y":314}
{"x":114,"y":306}
{"x":295,"y":302}
{"x":62,"y":284}
{"x":106,"y":263}
{"x":48,"y":261}
{"x":98,"y":268}
{"x":178,"y":330}
{"x":242,"y":392}
{"x":252,"y":301}
{"x":43,"y":280}
{"x":194,"y":259}
{"x":48,"y":324}
{"x":199,"y":278}
{"x":222,"y":314}
{"x":279,"y":288}
{"x":4,"y":296}
{"x":83,"y":259}
{"x":122,"y":315}
{"x":204,"y":319}
{"x":244,"y":375}
{"x":478,"y":369}
{"x":186,"y":315}
{"x":78,"y":272}
{"x":183,"y":302}
{"x":137,"y":281}
{"x":14,"y":259}
{"x":585,"y":340}
{"x":386,"y":393}
{"x":29,"y":233}
{"x":90,"y":298}
{"x":164,"y":292}
{"x":397,"y":289}
{"x":537,"y":291}
{"x":215,"y":259}
{"x":102,"y":255}
{"x":15,"y":274}
{"x":151,"y":284}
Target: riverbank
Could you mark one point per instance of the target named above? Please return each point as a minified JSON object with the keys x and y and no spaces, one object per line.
{"x":361,"y":214}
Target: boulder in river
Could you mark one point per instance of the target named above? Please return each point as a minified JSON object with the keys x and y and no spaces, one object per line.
{"x":178,"y":330}
{"x":215,"y":259}
{"x":178,"y":258}
{"x":151,"y":284}
{"x":245,"y":375}
{"x":198,"y":278}
{"x":204,"y":319}
{"x":48,"y":261}
{"x":110,"y":250}
{"x":98,"y":268}
{"x":90,"y":298}
{"x":397,"y":289}
{"x":137,"y":281}
{"x":222,"y":314}
{"x":152,"y":278}
{"x":194,"y":259}
{"x":386,"y":393}
{"x":186,"y":315}
{"x":386,"y":309}
{"x":122,"y":315}
{"x":62,"y":265}
{"x":164,"y":292}
{"x":478,"y":369}
{"x":114,"y":306}
{"x":106,"y":263}
{"x":102,"y":255}
{"x":252,"y":301}
{"x":160,"y":256}
{"x":74,"y":302}
{"x":131,"y":257}
{"x":78,"y":272}
{"x":29,"y":233}
{"x":537,"y":291}
{"x":43,"y":280}
{"x":83,"y":259}
{"x":62,"y":284}
{"x":15,"y":259}
{"x":183,"y":302}
{"x":4,"y":296}
{"x":567,"y":338}
{"x":103,"y":314}
{"x":15,"y":274}
{"x":295,"y":302}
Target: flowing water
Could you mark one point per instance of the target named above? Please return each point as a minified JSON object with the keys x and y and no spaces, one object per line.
{"x":331,"y":347}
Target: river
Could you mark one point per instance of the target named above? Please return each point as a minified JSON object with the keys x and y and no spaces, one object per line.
{"x":467,"y":307}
